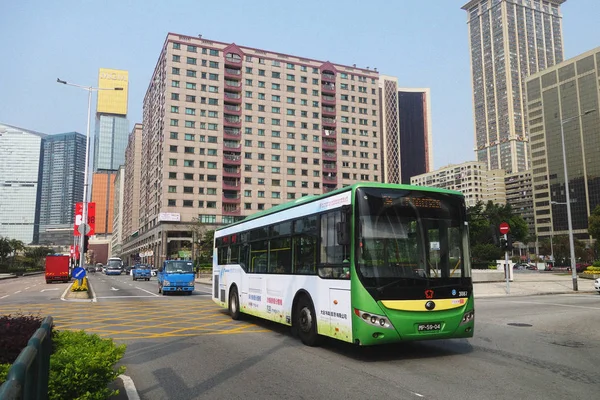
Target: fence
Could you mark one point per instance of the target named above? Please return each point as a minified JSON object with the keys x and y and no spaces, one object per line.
{"x":28,"y":376}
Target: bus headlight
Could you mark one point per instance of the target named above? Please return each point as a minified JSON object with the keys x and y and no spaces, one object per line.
{"x":374,"y":319}
{"x":467,"y":317}
{"x":192,"y":283}
{"x":167,"y":283}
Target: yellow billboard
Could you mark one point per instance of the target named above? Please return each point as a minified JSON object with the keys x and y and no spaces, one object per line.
{"x":112,"y":101}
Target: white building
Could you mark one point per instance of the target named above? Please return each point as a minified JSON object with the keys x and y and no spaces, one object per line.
{"x":20,"y":151}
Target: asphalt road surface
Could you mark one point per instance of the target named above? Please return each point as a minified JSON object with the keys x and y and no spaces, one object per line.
{"x":185,"y":347}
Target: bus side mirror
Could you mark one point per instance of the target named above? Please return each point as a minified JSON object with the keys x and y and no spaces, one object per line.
{"x":160,"y":269}
{"x":343,"y":238}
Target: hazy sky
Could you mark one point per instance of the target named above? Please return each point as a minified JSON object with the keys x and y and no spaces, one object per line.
{"x":424,"y":43}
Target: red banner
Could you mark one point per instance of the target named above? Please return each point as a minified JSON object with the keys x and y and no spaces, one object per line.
{"x":91,"y":217}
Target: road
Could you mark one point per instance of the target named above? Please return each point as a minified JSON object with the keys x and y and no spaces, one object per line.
{"x":184,"y":347}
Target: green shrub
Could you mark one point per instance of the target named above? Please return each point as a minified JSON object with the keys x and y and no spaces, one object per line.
{"x":493,"y":266}
{"x":82,"y":366}
{"x":3,"y":372}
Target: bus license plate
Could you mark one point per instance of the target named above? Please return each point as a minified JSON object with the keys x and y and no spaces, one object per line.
{"x":430,"y":327}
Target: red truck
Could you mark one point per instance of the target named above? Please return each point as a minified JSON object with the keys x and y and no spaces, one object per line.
{"x":57,"y":268}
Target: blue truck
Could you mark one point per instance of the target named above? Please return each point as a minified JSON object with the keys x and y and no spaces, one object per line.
{"x":141,"y":271}
{"x":176,"y":276}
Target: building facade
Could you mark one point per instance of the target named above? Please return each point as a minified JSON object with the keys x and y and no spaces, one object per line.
{"x":61,"y":186}
{"x":519,"y":194}
{"x":406,"y":141}
{"x":470,"y":178}
{"x":231,"y":130}
{"x":509,"y":40}
{"x":565,"y":96}
{"x":20,"y":174}
{"x":110,"y":142}
{"x":103,"y":196}
{"x":116,"y":243}
{"x":131,"y":189}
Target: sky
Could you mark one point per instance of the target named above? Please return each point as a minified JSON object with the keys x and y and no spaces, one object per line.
{"x":424,"y":43}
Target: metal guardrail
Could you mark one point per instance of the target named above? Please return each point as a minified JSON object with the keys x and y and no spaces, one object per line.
{"x":27,"y":379}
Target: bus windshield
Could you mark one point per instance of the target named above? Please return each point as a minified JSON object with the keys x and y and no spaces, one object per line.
{"x":410,"y":238}
{"x":179,"y":266}
{"x":113,"y":263}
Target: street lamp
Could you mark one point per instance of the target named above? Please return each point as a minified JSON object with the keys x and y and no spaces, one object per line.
{"x":569,"y":221}
{"x":89,"y":89}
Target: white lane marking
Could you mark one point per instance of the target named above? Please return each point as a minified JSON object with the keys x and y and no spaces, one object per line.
{"x":18,"y":291}
{"x":3,"y":297}
{"x":556,"y":304}
{"x":112,"y":288}
{"x":45,"y":290}
{"x":147,"y":291}
{"x":129,"y":386}
{"x":27,"y":287}
{"x":121,"y":297}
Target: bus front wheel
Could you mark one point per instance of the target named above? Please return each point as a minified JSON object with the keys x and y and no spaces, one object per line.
{"x":305,"y":322}
{"x":234,"y":304}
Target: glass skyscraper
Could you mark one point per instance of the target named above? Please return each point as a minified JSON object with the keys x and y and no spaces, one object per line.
{"x":110,"y":142}
{"x":20,"y":151}
{"x":509,"y":40}
{"x":61,"y":186}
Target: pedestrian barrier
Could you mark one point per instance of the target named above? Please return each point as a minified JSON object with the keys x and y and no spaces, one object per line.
{"x":27,"y":378}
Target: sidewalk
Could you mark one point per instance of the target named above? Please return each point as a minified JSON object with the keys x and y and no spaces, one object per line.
{"x":524,"y":284}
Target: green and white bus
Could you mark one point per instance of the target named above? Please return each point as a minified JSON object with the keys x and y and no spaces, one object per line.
{"x":368,"y":264}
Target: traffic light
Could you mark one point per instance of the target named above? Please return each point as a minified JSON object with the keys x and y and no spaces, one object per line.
{"x":506,"y":244}
{"x":86,"y":242}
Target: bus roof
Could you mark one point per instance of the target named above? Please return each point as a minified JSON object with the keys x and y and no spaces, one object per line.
{"x":311,"y":198}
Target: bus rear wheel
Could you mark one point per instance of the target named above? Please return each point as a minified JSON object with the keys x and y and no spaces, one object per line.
{"x":305,"y":322}
{"x":234,"y":304}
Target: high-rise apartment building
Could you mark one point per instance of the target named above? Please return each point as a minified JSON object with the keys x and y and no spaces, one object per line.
{"x":565,"y":96}
{"x":472,"y":178}
{"x":231,"y":130}
{"x":509,"y":40}
{"x":131,"y":189}
{"x":61,"y":186}
{"x":20,"y":170}
{"x":110,"y":141}
{"x":519,"y":195}
{"x":116,"y":242}
{"x":406,"y":149}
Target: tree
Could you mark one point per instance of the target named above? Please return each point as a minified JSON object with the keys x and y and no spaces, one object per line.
{"x":562,"y":250}
{"x":5,"y":250}
{"x":203,"y":238}
{"x":485,"y":220}
{"x":594,"y":227}
{"x":16,"y":246}
{"x":35,"y":256}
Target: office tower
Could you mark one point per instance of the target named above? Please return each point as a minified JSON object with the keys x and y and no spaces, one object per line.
{"x":509,"y":40}
{"x":20,"y":169}
{"x":230,"y":130}
{"x":61,"y":186}
{"x":110,"y":141}
{"x":407,"y":148}
{"x":566,"y":95}
{"x":472,"y":178}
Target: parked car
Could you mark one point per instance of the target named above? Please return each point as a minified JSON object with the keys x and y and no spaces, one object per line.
{"x":597,"y":285}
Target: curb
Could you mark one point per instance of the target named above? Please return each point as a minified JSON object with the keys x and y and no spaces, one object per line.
{"x":91,"y":294}
{"x":129,"y":387}
{"x":534,"y":294}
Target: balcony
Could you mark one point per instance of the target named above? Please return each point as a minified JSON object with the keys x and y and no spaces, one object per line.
{"x":231,"y":145}
{"x":231,"y":197}
{"x":329,"y":166}
{"x":232,"y":97}
{"x":232,"y":59}
{"x":329,"y":133}
{"x":327,"y":76}
{"x":232,"y":158}
{"x":328,"y":88}
{"x":231,"y":183}
{"x":231,"y":209}
{"x":328,"y":110}
{"x":233,"y":85}
{"x":231,"y":171}
{"x":232,"y":120}
{"x":328,"y":122}
{"x":232,"y":72}
{"x":329,"y":155}
{"x":231,"y":133}
{"x":328,"y":188}
{"x":233,"y":108}
{"x":329,"y":178}
{"x":329,"y":144}
{"x":328,"y":100}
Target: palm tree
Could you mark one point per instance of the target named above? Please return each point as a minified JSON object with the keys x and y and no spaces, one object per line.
{"x":16,"y":246}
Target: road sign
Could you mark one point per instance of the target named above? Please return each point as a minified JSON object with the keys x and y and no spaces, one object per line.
{"x":83,"y":228}
{"x":504,"y":228}
{"x":78,"y":273}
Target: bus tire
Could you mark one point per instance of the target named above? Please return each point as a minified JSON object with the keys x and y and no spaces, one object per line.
{"x":234,"y":303}
{"x":305,"y":321}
